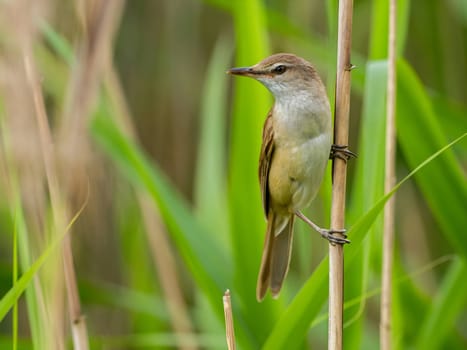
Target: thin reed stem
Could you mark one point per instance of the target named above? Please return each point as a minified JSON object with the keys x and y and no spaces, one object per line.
{"x":341,"y":137}
{"x":389,"y":182}
{"x":229,"y":326}
{"x":48,"y":156}
{"x":103,"y":17}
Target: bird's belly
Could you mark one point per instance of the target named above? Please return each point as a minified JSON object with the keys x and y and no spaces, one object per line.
{"x":296,"y":173}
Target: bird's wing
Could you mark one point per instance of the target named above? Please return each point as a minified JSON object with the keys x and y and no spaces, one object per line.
{"x":265,"y":158}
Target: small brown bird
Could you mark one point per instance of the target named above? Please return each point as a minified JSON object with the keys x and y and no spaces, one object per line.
{"x":296,"y":146}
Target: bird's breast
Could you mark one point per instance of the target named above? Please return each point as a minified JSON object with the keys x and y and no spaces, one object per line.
{"x":297,"y":170}
{"x":302,"y":142}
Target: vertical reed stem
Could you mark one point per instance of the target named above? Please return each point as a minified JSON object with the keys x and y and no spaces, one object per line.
{"x":389,"y":182}
{"x":229,"y":326}
{"x":341,"y":137}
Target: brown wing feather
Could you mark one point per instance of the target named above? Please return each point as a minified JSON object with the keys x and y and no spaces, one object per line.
{"x":264,"y":275}
{"x":280,"y":255}
{"x":267,"y":149}
{"x":276,"y":256}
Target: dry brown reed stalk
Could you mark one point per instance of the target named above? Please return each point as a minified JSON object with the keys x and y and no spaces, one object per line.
{"x":161,"y":251}
{"x":102,"y":18}
{"x":164,"y":261}
{"x":48,"y":156}
{"x":229,"y":325}
{"x":389,"y":182}
{"x":99,"y":26}
{"x":32,"y":160}
{"x":341,"y":137}
{"x":59,"y":208}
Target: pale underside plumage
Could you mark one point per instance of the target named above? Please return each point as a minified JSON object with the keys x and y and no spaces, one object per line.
{"x":294,"y":192}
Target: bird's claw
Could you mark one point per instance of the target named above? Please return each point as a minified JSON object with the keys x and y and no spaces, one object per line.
{"x":341,"y":152}
{"x":329,"y":235}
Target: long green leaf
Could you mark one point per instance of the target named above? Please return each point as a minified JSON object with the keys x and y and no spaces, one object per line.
{"x":366,"y":190}
{"x":210,"y":185}
{"x":12,"y":296}
{"x":379,"y":28}
{"x":250,"y":107}
{"x":419,"y":134}
{"x":449,"y":302}
{"x":15,"y":277}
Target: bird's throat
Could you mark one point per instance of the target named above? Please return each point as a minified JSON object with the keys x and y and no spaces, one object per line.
{"x":299,"y":118}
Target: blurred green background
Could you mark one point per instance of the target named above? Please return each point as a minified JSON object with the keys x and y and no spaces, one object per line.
{"x":117,"y":120}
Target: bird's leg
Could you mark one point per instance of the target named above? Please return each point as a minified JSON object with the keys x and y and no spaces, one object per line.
{"x":342,"y":152}
{"x":328,"y":234}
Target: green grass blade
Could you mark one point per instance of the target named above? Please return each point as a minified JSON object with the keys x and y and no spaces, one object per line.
{"x":24,"y":257}
{"x":410,"y":296}
{"x":136,"y":265}
{"x":251,"y":104}
{"x":12,"y":296}
{"x":210,"y":186}
{"x":449,"y":302}
{"x":366,"y":190}
{"x":419,"y":134}
{"x":58,"y":43}
{"x":379,"y":32}
{"x":15,"y":277}
{"x":403,"y":16}
{"x":33,"y":303}
{"x":369,"y":176}
{"x":247,"y":225}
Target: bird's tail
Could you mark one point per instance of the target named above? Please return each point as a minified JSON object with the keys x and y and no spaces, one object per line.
{"x":276,"y":255}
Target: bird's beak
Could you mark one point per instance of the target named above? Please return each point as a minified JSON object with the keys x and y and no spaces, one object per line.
{"x":245,"y":71}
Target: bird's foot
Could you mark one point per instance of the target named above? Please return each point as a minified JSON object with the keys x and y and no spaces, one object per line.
{"x":341,"y":152}
{"x":329,"y":235}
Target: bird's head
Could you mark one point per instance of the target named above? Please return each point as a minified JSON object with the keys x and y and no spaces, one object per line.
{"x":281,"y":73}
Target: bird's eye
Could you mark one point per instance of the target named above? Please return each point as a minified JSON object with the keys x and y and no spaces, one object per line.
{"x":279,"y":69}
